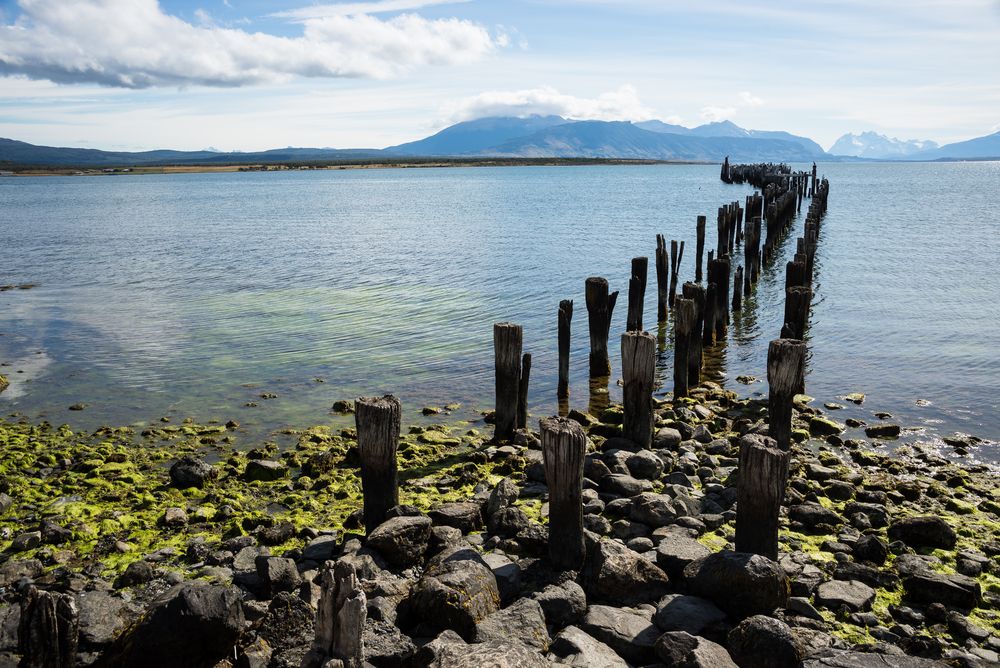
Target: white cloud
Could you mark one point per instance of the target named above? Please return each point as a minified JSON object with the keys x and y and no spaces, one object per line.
{"x":744,"y":99}
{"x":618,"y":105}
{"x":714,"y":114}
{"x":134,"y":44}
{"x":747,"y":99}
{"x":355,"y":8}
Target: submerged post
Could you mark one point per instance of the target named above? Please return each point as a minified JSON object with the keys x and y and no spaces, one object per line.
{"x":377,"y":420}
{"x":797,"y":301}
{"x":708,"y":333}
{"x":507,"y":370}
{"x":638,"y":369}
{"x":564,"y":446}
{"x":565,"y":320}
{"x":786,"y":359}
{"x":662,"y":277}
{"x":522,"y":391}
{"x":699,"y":247}
{"x":685,"y":317}
{"x":636,"y":293}
{"x":600,"y":306}
{"x":763,"y":473}
{"x":676,"y":257}
{"x":738,"y":289}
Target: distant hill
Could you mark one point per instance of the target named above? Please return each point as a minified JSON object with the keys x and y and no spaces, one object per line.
{"x":475,"y":136}
{"x":660,"y":126}
{"x":980,"y":148}
{"x":878,"y":146}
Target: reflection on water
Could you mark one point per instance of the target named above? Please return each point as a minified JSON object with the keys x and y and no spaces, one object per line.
{"x":196,"y":294}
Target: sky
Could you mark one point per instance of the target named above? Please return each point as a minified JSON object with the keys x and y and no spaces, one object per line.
{"x":258,"y":74}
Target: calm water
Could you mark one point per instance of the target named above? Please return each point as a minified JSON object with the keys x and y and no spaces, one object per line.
{"x":191,"y":295}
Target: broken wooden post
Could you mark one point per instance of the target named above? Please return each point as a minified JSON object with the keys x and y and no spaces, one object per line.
{"x":676,"y":257}
{"x":795,"y":274}
{"x":638,"y":369}
{"x":797,"y":301}
{"x":699,"y":247}
{"x":340,"y":620}
{"x":377,"y":420}
{"x":685,"y":318}
{"x":600,"y":306}
{"x":718,"y":273}
{"x":708,"y":322}
{"x":662,"y":277}
{"x":696,"y":293}
{"x":565,"y":320}
{"x":507,"y":369}
{"x":48,"y":630}
{"x":786,"y":360}
{"x":636,"y":293}
{"x":564,"y":446}
{"x":522,"y":391}
{"x":760,"y":489}
{"x":738,"y":289}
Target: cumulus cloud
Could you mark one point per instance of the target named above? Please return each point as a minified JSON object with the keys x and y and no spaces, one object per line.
{"x":354,"y":8}
{"x":617,"y":105}
{"x":714,"y":114}
{"x":135,"y":44}
{"x":744,"y":99}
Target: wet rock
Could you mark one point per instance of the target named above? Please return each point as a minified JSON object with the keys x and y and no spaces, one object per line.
{"x":574,"y":647}
{"x":402,"y":540}
{"x":523,"y":621}
{"x":192,"y":624}
{"x":465,"y":516}
{"x":264,"y":470}
{"x":631,"y":635}
{"x":926,"y":531}
{"x":191,"y":472}
{"x":563,"y":604}
{"x":675,"y":552}
{"x":884,"y":431}
{"x":277,"y":574}
{"x":876,"y":513}
{"x":679,"y":612}
{"x":823,"y":426}
{"x":955,"y":590}
{"x":53,"y":534}
{"x":740,"y":584}
{"x":136,"y":573}
{"x":683,"y":650}
{"x":614,"y":573}
{"x":815,"y":517}
{"x":763,"y":642}
{"x":275,"y":534}
{"x":853,"y":594}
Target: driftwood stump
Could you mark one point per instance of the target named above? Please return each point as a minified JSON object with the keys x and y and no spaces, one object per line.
{"x":763,"y":473}
{"x":636,"y":293}
{"x":638,"y":368}
{"x":340,"y":620}
{"x":564,"y":446}
{"x":600,"y":307}
{"x":507,"y":368}
{"x":786,"y":360}
{"x":377,"y":420}
{"x":685,"y":319}
{"x":48,"y":630}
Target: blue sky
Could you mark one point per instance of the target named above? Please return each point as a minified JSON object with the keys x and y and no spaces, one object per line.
{"x":256,"y":74}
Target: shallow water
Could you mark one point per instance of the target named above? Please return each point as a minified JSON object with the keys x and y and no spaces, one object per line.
{"x":191,"y":295}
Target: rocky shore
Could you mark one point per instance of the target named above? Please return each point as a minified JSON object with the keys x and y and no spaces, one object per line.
{"x":181,"y":546}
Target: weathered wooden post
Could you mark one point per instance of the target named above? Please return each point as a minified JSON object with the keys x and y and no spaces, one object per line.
{"x":760,"y":489}
{"x":48,"y":630}
{"x":565,"y":320}
{"x":699,"y":247}
{"x":795,"y":274}
{"x":708,"y":333}
{"x":786,"y":360}
{"x":685,"y":317}
{"x":738,"y":289}
{"x":696,"y":293}
{"x":522,"y":391}
{"x":636,"y":293}
{"x":507,"y":369}
{"x":340,"y":619}
{"x":600,"y":306}
{"x":718,"y":273}
{"x":564,"y":446}
{"x":377,"y":420}
{"x":797,"y":301}
{"x":638,"y":369}
{"x":676,"y":257}
{"x":662,"y":277}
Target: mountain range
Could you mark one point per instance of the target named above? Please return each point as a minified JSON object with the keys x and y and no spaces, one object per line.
{"x":545,"y":137}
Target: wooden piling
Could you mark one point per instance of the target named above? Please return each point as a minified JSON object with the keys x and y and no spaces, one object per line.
{"x":676,"y":257}
{"x":685,"y":319}
{"x":565,"y":320}
{"x":662,"y":277}
{"x":522,"y":391}
{"x":507,"y":339}
{"x":636,"y":293}
{"x":638,"y":369}
{"x":699,"y":247}
{"x":377,"y":421}
{"x":696,"y":293}
{"x":718,"y":273}
{"x":797,"y":302}
{"x":564,"y":447}
{"x":340,"y":620}
{"x":600,"y":306}
{"x":738,"y":289}
{"x":48,"y":629}
{"x":763,"y":473}
{"x":786,"y":359}
{"x":795,"y":274}
{"x":708,"y":322}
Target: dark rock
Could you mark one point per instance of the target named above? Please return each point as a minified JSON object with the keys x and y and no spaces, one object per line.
{"x":675,"y":552}
{"x":523,"y":621}
{"x":53,"y":534}
{"x":614,"y":573}
{"x":852,"y":570}
{"x":495,"y":654}
{"x":385,"y":645}
{"x":191,"y":472}
{"x":871,"y":548}
{"x":876,"y":513}
{"x":508,"y":522}
{"x":849,"y":659}
{"x":630,"y":635}
{"x":882,"y":431}
{"x":666,"y":438}
{"x":620,"y":484}
{"x":762,"y":642}
{"x":678,"y":612}
{"x":563,"y":603}
{"x":507,"y":574}
{"x":683,"y":650}
{"x":264,"y":470}
{"x":853,"y":594}
{"x":287,"y":627}
{"x":503,"y":496}
{"x":814,"y":517}
{"x":277,"y":574}
{"x":645,"y":465}
{"x":276,"y":534}
{"x":926,"y":531}
{"x":322,"y":548}
{"x":136,"y":573}
{"x":26,"y":541}
{"x":654,"y":510}
{"x":402,"y":540}
{"x":954,"y":590}
{"x":740,"y":584}
{"x":574,"y":647}
{"x":465,"y":516}
{"x":192,"y":624}
{"x":102,"y":617}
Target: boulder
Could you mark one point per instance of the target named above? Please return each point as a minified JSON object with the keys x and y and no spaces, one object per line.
{"x":679,"y":612}
{"x":502,"y":496}
{"x":762,"y":642}
{"x":857,"y":596}
{"x":848,"y":659}
{"x":277,"y":574}
{"x":507,"y":573}
{"x":814,"y":517}
{"x":288,"y":628}
{"x":927,"y":531}
{"x":645,"y":465}
{"x":264,"y":470}
{"x":563,"y":604}
{"x":871,"y":548}
{"x":523,"y":622}
{"x":137,"y":573}
{"x":958,"y":591}
{"x":883,"y":431}
{"x":654,"y":510}
{"x":457,"y":591}
{"x":322,"y":548}
{"x":631,"y":635}
{"x":613,"y":573}
{"x":465,"y":516}
{"x":740,"y":584}
{"x":192,"y":624}
{"x":402,"y":540}
{"x":102,"y":617}
{"x":683,"y":650}
{"x":574,"y":647}
{"x":620,"y":484}
{"x":191,"y":472}
{"x":676,"y":551}
{"x":385,"y":645}
{"x":494,"y":654}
